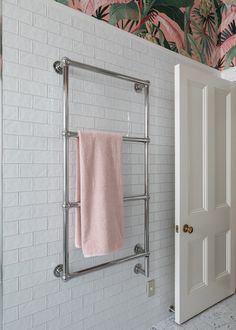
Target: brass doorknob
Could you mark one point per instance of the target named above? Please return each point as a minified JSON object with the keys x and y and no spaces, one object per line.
{"x":187,"y":229}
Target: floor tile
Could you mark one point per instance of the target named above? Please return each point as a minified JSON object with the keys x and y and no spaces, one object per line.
{"x":221,"y":316}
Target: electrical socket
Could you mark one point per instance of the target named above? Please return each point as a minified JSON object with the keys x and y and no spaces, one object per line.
{"x":150,"y":288}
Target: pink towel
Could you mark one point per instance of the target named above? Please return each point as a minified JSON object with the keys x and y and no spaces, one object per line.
{"x":99,"y":221}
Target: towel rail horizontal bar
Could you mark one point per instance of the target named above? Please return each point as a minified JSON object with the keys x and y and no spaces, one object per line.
{"x":136,"y":198}
{"x":99,"y":267}
{"x":58,"y":66}
{"x":71,"y":205}
{"x":71,"y":134}
{"x":108,"y":264}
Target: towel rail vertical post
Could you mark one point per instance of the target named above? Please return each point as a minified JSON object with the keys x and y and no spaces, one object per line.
{"x":65,"y":172}
{"x":146,"y":175}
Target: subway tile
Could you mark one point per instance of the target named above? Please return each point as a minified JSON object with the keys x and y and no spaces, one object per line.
{"x":17,"y":241}
{"x":14,"y":299}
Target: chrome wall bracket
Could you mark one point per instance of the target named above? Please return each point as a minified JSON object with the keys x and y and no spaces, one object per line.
{"x":138,"y":87}
{"x":57,"y":67}
{"x":138,"y":249}
{"x":58,"y":270}
{"x":138,"y":269}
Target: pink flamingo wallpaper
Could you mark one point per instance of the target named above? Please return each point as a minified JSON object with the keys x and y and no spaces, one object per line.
{"x":204,"y":30}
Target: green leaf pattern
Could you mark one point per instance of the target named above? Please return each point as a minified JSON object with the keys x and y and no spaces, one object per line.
{"x":194,"y":28}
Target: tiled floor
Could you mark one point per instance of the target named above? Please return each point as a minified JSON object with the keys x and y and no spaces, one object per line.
{"x":221,"y":316}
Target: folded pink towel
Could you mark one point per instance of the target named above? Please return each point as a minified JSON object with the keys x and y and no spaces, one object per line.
{"x":99,"y":220}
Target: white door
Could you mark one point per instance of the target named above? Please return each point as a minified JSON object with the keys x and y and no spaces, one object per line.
{"x":205,"y":190}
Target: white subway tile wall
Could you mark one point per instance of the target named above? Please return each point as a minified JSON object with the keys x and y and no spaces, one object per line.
{"x":35,"y":34}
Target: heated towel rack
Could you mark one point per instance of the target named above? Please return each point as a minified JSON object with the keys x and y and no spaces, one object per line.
{"x":62,"y":270}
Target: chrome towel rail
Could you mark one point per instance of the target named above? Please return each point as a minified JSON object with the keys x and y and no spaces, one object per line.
{"x":125,"y":138}
{"x":58,"y":66}
{"x":126,"y":199}
{"x":62,"y":270}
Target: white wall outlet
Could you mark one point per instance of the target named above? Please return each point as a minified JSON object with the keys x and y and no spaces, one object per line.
{"x":150,"y":288}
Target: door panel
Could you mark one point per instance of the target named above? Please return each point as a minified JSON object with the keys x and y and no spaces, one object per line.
{"x":220,"y":146}
{"x":204,"y":192}
{"x":197,"y":263}
{"x":196,"y":106}
{"x":221,"y":247}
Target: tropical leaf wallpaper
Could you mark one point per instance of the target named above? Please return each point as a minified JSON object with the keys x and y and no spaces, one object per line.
{"x":204,"y":30}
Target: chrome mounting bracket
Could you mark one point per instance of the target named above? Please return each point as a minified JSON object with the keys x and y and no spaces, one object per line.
{"x":57,"y":67}
{"x":138,"y":268}
{"x":58,"y":271}
{"x":138,"y":87}
{"x":138,"y":249}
